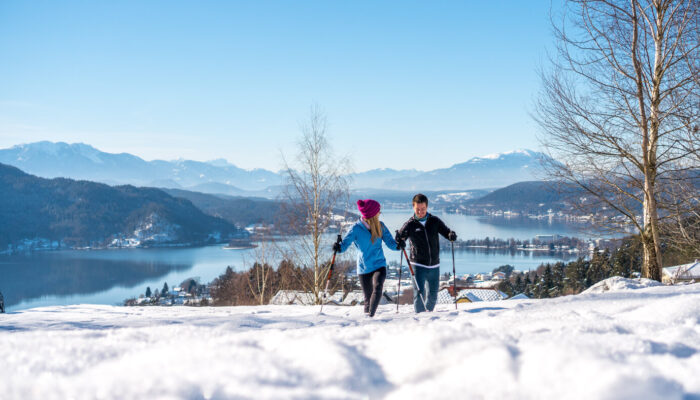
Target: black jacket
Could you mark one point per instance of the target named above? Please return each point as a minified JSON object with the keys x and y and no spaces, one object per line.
{"x":425,"y":244}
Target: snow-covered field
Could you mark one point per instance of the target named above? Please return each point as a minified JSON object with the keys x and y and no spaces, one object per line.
{"x":621,"y":344}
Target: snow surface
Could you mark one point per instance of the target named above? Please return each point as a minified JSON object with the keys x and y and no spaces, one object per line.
{"x":628,"y":344}
{"x":618,"y":283}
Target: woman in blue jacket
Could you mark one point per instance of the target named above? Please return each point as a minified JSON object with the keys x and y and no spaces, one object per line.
{"x":367,"y":235}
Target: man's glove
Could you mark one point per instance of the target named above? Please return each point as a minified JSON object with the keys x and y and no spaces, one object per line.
{"x":336,"y":247}
{"x":400,"y":243}
{"x":452,"y":236}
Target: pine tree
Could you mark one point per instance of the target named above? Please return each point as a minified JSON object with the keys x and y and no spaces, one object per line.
{"x":529,"y":290}
{"x":575,"y":273}
{"x":599,"y":267}
{"x":191,"y":286}
{"x":558,"y":275}
{"x":506,"y":287}
{"x":547,"y":282}
{"x":148,"y":291}
{"x":165,"y":290}
{"x":607,"y":264}
{"x":519,"y":284}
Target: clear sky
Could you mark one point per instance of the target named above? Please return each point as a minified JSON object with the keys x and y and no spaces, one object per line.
{"x":404,"y":84}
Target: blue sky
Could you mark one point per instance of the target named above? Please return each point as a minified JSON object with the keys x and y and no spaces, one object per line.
{"x":404,"y":84}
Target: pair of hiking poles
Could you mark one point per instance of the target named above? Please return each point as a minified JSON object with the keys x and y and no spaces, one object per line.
{"x":410,"y":268}
{"x":415,"y":282}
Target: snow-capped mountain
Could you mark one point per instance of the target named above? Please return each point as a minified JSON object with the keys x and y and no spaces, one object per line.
{"x":494,"y":170}
{"x":82,"y":161}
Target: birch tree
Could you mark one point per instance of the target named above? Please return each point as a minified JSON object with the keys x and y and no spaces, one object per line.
{"x":619,"y":110}
{"x":261,"y":274}
{"x":316,"y":187}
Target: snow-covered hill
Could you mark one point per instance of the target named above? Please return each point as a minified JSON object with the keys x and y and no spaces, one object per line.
{"x":621,"y":344}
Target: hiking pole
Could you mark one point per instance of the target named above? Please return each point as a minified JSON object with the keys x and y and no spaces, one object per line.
{"x":398,"y":291}
{"x":330,"y":272}
{"x":454,"y":274}
{"x":415,"y":282}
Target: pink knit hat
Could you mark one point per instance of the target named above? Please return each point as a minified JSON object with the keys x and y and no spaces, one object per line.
{"x":368,"y":208}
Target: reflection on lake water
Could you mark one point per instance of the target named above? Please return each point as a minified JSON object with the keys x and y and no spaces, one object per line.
{"x":479,"y":227}
{"x":110,"y":276}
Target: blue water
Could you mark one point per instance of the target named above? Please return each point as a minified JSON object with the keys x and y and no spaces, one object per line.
{"x":110,"y":276}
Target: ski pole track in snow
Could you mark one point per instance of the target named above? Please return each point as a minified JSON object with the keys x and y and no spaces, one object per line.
{"x":642,"y":343}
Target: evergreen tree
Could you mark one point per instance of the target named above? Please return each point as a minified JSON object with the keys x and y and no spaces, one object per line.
{"x":575,"y":273}
{"x":165,"y":290}
{"x":519,"y":284}
{"x":506,"y":287}
{"x":547,"y":282}
{"x":557,"y":288}
{"x":148,"y":291}
{"x":599,"y":267}
{"x":529,"y":289}
{"x":626,"y":259}
{"x":191,"y":286}
{"x":607,"y":264}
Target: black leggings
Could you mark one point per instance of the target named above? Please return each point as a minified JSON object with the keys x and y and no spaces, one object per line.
{"x":373,"y":288}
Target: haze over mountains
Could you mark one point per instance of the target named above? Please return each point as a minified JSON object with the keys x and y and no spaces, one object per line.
{"x":82,"y":161}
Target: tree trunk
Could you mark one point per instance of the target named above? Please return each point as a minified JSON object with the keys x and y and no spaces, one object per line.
{"x":651,"y":267}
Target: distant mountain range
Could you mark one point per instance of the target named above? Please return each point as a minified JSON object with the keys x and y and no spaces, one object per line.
{"x":81,"y":213}
{"x":492,"y":171}
{"x":81,"y":161}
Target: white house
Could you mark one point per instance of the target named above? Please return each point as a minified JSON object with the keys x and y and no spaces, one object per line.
{"x":681,"y":273}
{"x":499,"y":276}
{"x":472,"y":295}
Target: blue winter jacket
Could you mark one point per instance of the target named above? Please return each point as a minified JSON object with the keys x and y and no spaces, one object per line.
{"x":371,"y":256}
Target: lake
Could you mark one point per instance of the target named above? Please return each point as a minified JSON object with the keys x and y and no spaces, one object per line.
{"x":110,"y":276}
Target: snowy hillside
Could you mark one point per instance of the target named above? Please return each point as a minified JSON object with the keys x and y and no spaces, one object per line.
{"x":621,"y":344}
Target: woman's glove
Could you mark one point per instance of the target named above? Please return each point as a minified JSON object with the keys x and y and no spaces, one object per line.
{"x":336,"y":247}
{"x":452,"y":236}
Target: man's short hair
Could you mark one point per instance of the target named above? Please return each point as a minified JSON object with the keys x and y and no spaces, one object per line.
{"x":420,"y":198}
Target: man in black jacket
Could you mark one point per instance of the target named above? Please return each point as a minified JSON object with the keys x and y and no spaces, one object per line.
{"x":423,"y":229}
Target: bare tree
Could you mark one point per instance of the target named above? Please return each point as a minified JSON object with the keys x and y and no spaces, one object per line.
{"x":619,"y":108}
{"x":316,"y":187}
{"x":261,"y":274}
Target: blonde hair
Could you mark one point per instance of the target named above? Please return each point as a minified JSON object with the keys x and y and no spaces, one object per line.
{"x":375,"y":227}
